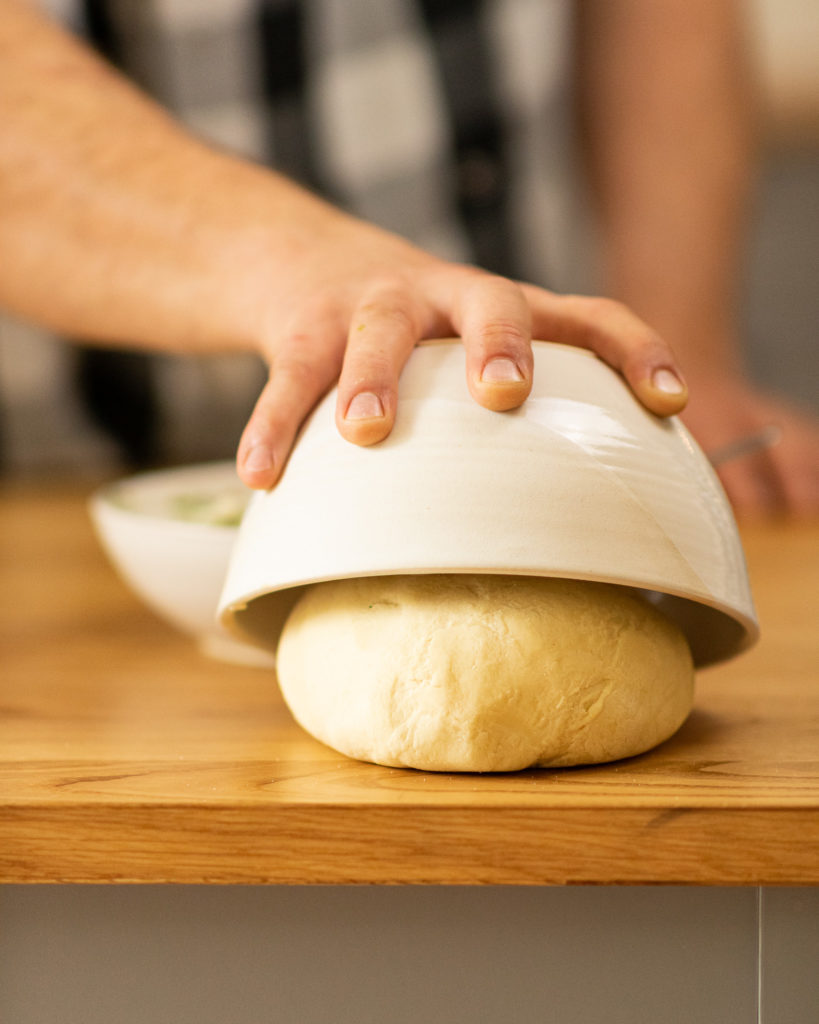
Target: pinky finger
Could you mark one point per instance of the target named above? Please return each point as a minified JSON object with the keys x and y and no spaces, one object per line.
{"x":619,"y":337}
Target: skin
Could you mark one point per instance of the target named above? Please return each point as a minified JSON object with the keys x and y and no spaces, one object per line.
{"x":127,"y":230}
{"x":668,"y":106}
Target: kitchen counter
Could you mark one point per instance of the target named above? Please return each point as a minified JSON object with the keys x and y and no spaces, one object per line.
{"x":128,"y":756}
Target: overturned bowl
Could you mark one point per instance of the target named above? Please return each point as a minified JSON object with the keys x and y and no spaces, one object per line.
{"x":169,"y":534}
{"x":581,"y":482}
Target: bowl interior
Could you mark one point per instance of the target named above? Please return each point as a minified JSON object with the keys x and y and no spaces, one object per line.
{"x":210,"y":495}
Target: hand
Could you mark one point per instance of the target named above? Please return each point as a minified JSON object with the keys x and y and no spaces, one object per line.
{"x":128,"y":230}
{"x":782,"y":480}
{"x":362,"y":301}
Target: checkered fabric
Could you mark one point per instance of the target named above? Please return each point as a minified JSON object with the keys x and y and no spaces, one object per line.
{"x":442,"y":120}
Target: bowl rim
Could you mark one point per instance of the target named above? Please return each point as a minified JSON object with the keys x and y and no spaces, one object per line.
{"x":106,"y":497}
{"x":724,"y":612}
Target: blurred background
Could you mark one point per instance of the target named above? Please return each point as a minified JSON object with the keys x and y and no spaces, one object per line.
{"x":782,"y":297}
{"x":197,"y":407}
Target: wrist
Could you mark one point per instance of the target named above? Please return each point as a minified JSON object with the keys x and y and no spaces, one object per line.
{"x":250,"y":236}
{"x":286,"y":252}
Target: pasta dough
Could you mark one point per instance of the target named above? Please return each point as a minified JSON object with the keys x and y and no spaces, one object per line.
{"x":483,"y":673}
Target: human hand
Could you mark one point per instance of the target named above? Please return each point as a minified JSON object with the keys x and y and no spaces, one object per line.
{"x":364,"y":298}
{"x":780,"y":480}
{"x":128,"y":230}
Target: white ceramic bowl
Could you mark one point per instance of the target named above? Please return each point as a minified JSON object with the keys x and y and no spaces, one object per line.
{"x":580,"y":482}
{"x":170,"y":534}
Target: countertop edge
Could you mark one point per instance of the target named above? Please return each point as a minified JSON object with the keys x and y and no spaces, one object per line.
{"x":443,"y":846}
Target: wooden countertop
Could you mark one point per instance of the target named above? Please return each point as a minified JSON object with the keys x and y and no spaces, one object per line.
{"x":126,"y":756}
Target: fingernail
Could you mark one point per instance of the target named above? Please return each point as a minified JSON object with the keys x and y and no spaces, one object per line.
{"x":365,"y":406}
{"x":668,"y":382}
{"x":501,"y":371}
{"x":259,"y":458}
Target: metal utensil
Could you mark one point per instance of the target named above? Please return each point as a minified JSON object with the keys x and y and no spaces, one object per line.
{"x":743,"y":446}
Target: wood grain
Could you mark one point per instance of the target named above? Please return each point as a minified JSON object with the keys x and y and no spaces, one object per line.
{"x":126,"y":756}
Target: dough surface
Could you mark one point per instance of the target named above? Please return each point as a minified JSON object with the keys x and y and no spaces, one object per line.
{"x":483,"y":673}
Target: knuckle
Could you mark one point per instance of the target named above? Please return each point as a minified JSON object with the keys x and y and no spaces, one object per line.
{"x":648,"y":351}
{"x":384,"y":290}
{"x":481,"y":285}
{"x":470,"y":280}
{"x":487,"y":279}
{"x":266,"y":425}
{"x":502,"y":332}
{"x":298,"y":339}
{"x":295,"y":370}
{"x":402,"y":318}
{"x":395,"y":312}
{"x":608,"y":325}
{"x":374,"y":373}
{"x":599,"y":313}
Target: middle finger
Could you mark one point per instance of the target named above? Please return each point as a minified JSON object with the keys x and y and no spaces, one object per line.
{"x":383,"y":331}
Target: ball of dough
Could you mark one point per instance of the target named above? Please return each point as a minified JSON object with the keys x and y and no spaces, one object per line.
{"x":483,"y":673}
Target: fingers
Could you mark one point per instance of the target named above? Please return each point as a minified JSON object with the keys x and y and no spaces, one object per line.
{"x":779,"y":480}
{"x":751,"y":489}
{"x":301,"y":371}
{"x":793,"y":465}
{"x":369,"y":342}
{"x":613,"y":332}
{"x":383,"y":331}
{"x":493,"y":318}
{"x":498,"y":318}
{"x":799,"y":483}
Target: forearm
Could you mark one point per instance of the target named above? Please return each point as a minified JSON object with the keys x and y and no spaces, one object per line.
{"x":116,"y":224}
{"x":666,"y":100}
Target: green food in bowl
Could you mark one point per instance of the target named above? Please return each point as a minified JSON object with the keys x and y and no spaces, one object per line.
{"x":212,"y":508}
{"x":225,"y":509}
